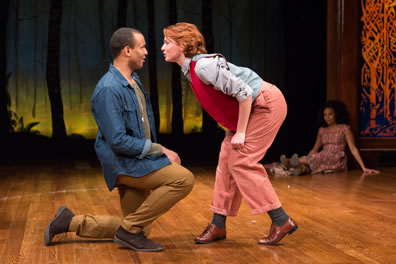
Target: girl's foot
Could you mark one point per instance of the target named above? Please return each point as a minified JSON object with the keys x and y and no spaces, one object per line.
{"x":301,"y":170}
{"x":285,"y":161}
{"x":294,"y":163}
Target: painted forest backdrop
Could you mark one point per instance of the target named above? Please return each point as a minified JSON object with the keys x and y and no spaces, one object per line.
{"x":56,"y":51}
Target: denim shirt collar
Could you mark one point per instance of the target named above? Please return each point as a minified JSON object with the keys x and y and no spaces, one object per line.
{"x":124,"y":81}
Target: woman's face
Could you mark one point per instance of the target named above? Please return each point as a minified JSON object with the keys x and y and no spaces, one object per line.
{"x":329,"y":116}
{"x":171,"y":50}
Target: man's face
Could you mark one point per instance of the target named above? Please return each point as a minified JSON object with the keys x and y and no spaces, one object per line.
{"x":138,"y":53}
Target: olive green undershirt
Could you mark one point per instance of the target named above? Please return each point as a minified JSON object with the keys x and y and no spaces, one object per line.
{"x":155,"y":148}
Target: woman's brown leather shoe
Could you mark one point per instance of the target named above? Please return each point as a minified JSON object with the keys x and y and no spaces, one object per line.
{"x":278,"y":232}
{"x":211,"y":234}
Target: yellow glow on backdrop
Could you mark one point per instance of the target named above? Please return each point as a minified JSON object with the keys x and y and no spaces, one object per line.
{"x":78,"y":117}
{"x":378,"y":77}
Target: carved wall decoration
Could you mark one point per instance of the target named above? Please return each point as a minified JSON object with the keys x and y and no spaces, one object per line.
{"x":378,"y":72}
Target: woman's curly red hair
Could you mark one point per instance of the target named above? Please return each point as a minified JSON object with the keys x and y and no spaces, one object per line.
{"x":188,"y":37}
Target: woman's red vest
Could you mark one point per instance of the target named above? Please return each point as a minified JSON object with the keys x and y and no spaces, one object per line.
{"x":222,"y":107}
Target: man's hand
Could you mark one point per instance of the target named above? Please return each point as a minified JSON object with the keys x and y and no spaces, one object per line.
{"x":172,"y":156}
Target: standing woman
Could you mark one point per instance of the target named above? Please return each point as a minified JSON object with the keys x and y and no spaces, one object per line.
{"x":252,"y":110}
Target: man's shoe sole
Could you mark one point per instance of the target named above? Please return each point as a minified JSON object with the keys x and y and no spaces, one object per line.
{"x":125,"y":244}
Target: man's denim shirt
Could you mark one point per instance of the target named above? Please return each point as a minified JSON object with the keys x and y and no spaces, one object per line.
{"x":120,"y":143}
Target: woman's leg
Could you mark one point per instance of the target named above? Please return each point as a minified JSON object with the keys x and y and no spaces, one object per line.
{"x":268,"y":113}
{"x":226,"y":196}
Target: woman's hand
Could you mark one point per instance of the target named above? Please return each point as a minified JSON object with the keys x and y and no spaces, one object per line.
{"x":238,"y":140}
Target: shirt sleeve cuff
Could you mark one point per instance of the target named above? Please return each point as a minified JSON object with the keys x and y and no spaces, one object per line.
{"x":146,"y":149}
{"x":244,"y":95}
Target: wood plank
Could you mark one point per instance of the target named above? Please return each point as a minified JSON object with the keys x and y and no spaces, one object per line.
{"x":343,"y":218}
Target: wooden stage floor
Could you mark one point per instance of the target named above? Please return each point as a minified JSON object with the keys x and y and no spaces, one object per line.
{"x":342,"y":218}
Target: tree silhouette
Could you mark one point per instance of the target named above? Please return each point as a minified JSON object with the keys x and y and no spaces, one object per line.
{"x":68,"y":40}
{"x":77,"y":51}
{"x":152,"y":60}
{"x":209,"y":125}
{"x":16,"y":42}
{"x":53,"y":70}
{"x":121,"y":13}
{"x":230,"y":16}
{"x":35,"y":60}
{"x":4,"y":118}
{"x":177,"y":110}
{"x":102,"y":35}
{"x":134,"y":9}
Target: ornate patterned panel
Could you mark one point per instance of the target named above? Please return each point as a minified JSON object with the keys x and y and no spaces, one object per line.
{"x":378,"y":77}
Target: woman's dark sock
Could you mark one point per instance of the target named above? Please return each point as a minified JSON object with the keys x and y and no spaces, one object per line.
{"x":219,"y":220}
{"x":278,"y":216}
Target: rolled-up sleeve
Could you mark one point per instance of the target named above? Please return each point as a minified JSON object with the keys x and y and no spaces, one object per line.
{"x":108,"y":113}
{"x":214,"y":71}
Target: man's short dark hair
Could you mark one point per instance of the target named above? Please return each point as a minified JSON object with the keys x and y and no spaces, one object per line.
{"x":121,"y":38}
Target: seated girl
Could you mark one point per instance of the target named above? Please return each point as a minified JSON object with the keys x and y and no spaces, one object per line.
{"x":333,"y":135}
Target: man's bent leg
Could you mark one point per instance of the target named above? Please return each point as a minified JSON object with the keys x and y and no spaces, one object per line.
{"x":95,"y":226}
{"x":169,"y":185}
{"x":131,"y":199}
{"x":83,"y":225}
{"x":106,"y":226}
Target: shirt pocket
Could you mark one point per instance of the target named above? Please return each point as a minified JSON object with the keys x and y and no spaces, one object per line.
{"x":130,"y":116}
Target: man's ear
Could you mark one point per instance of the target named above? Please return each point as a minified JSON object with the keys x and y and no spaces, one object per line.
{"x":126,"y":51}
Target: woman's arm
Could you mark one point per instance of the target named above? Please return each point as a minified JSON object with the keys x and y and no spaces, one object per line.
{"x":355,"y":152}
{"x":238,"y":139}
{"x":318,"y":144}
{"x":215,"y":72}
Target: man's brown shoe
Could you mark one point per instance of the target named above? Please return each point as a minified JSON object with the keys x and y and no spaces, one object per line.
{"x":137,"y":242}
{"x":211,"y":234}
{"x":278,"y":232}
{"x":59,"y":224}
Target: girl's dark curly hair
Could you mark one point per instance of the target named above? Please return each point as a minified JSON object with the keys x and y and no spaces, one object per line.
{"x":341,"y":114}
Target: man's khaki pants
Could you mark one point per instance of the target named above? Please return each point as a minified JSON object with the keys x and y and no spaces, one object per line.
{"x":142,"y":200}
